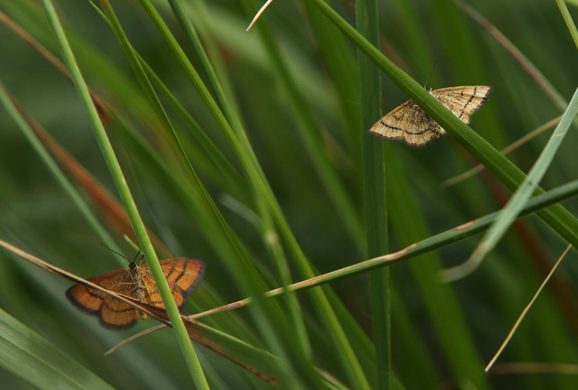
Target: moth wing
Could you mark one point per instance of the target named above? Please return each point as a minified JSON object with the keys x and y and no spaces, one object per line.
{"x":408,"y":122}
{"x":183,"y":276}
{"x":112,"y":313}
{"x":463,"y":101}
{"x":391,"y":126}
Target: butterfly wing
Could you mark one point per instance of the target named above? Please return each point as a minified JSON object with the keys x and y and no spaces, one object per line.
{"x":183,"y":276}
{"x":111,"y":312}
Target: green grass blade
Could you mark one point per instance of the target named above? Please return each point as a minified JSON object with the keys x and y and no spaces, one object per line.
{"x":340,"y":65}
{"x":568,"y":20}
{"x":26,"y":354}
{"x":440,"y":240}
{"x":440,"y":300}
{"x":186,"y":346}
{"x":528,"y":66}
{"x":206,"y":144}
{"x":310,"y":132}
{"x":194,"y":178}
{"x":412,"y":356}
{"x":52,"y":166}
{"x":556,"y":216}
{"x":420,"y":57}
{"x":201,"y":55}
{"x":211,"y":150}
{"x":463,"y":57}
{"x":255,"y":174}
{"x":520,"y":197}
{"x":374,"y":193}
{"x":268,"y":223}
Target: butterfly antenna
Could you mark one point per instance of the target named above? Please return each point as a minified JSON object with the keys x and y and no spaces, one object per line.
{"x":120,"y":254}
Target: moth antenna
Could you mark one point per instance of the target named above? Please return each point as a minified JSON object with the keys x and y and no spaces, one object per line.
{"x":120,"y":254}
{"x":430,"y":73}
{"x":136,"y":257}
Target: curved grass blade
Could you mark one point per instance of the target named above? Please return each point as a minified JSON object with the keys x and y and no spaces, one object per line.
{"x":116,"y":171}
{"x":311,"y":133}
{"x":59,"y":176}
{"x":432,"y":243}
{"x":560,"y":219}
{"x":258,"y":180}
{"x":513,"y":146}
{"x":40,"y":363}
{"x":525,"y":311}
{"x":510,"y":212}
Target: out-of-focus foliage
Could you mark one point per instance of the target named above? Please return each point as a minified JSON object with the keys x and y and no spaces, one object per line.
{"x":310,"y":150}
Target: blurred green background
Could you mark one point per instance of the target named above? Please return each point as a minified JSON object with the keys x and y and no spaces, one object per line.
{"x":435,"y":42}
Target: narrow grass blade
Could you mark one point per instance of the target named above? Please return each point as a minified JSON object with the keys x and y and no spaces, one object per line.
{"x":519,"y":199}
{"x":568,"y":20}
{"x":26,"y":354}
{"x":464,"y":59}
{"x":205,"y":198}
{"x":556,"y":216}
{"x":530,"y":68}
{"x":513,"y":146}
{"x":258,"y":180}
{"x":374,"y":188}
{"x":59,"y":176}
{"x":521,"y":318}
{"x":341,"y":66}
{"x":432,"y":243}
{"x":441,"y":302}
{"x":187,"y":348}
{"x":195,"y":43}
{"x":311,"y":133}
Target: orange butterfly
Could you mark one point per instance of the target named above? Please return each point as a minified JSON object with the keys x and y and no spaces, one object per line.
{"x":183,"y":276}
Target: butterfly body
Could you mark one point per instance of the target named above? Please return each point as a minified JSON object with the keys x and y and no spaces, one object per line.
{"x":183,"y":276}
{"x":409,"y":122}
